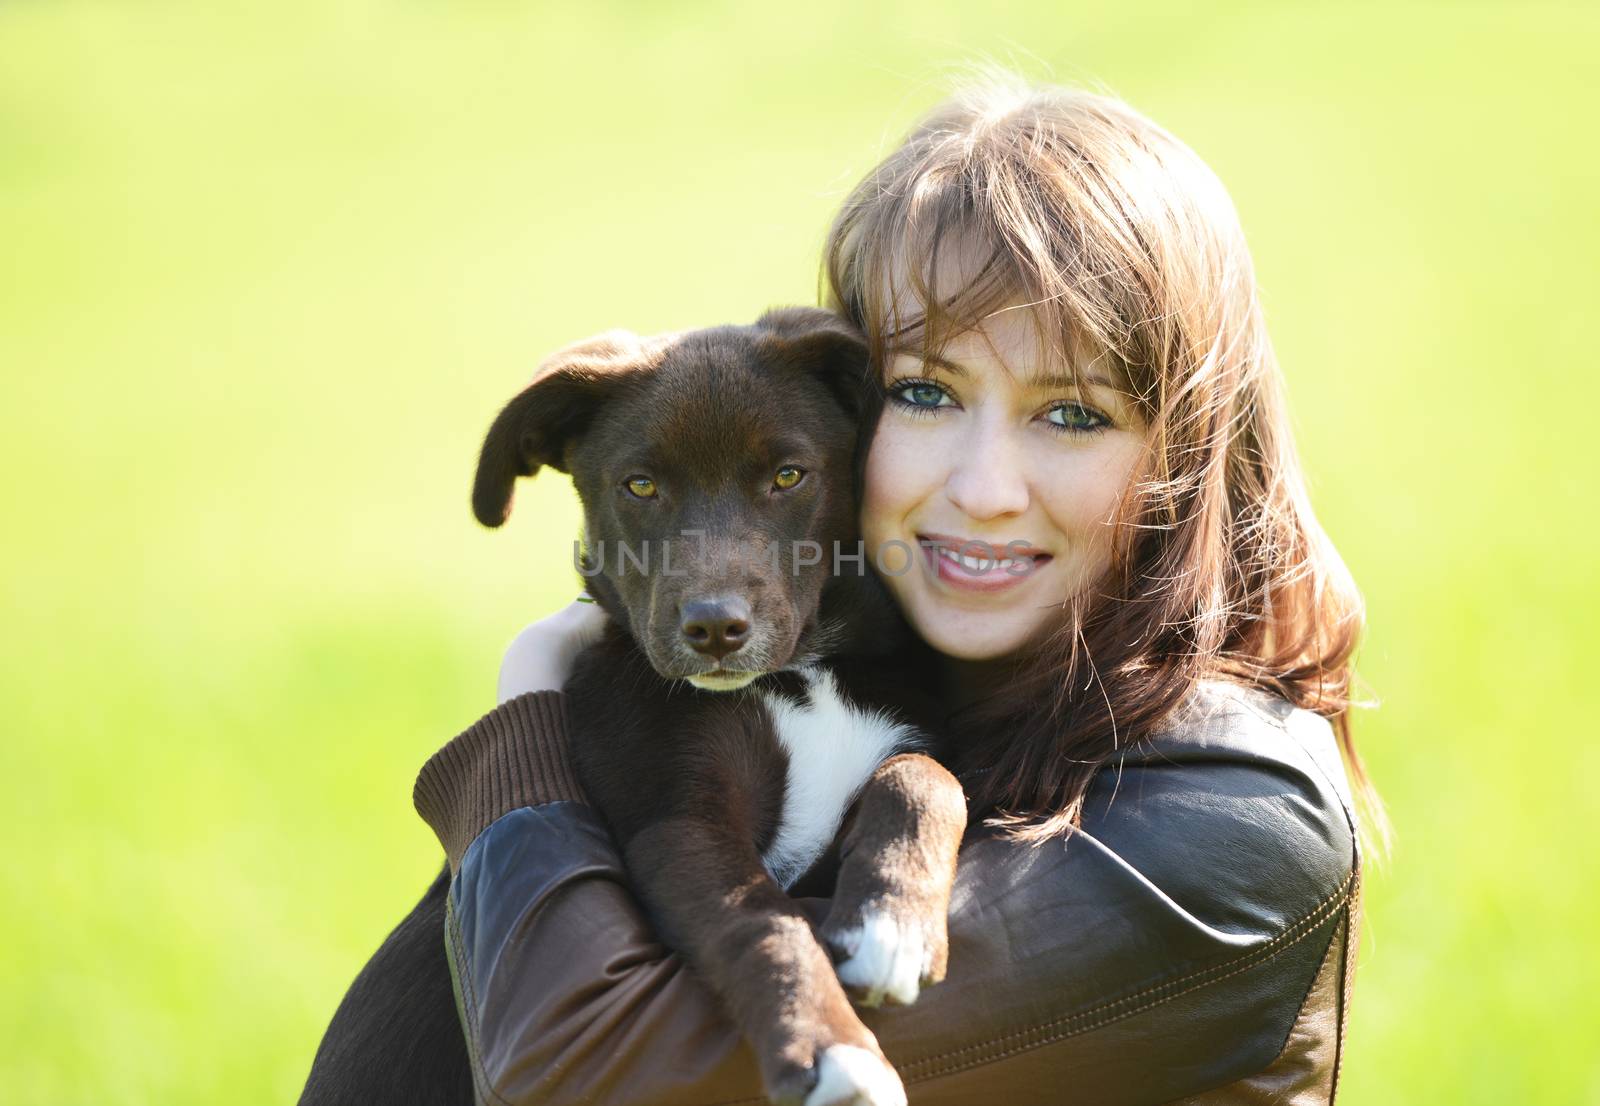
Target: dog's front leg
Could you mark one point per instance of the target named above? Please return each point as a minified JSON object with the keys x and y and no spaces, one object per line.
{"x":888,"y":925}
{"x":714,"y":901}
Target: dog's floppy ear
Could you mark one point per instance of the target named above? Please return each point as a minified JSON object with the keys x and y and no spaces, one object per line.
{"x":826,"y":345}
{"x":537,"y":426}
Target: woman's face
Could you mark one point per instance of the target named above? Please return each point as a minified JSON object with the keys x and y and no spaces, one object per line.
{"x":986,"y":445}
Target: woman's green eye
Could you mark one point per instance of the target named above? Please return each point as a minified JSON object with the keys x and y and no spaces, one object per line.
{"x":788,"y":476}
{"x":642,"y":487}
{"x":920,"y":393}
{"x":1075,"y":416}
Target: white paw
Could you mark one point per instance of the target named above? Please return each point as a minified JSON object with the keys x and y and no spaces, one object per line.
{"x":851,"y":1076}
{"x":884,"y":958}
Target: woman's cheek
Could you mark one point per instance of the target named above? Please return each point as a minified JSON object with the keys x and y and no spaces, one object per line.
{"x":1085,"y":499}
{"x":1080,"y":495}
{"x":892,"y":484}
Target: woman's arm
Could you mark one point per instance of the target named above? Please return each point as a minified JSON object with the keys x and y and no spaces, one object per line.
{"x":1193,"y":935}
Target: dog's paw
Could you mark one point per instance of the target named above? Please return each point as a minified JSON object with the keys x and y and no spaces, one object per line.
{"x":887,"y":956}
{"x":852,"y":1076}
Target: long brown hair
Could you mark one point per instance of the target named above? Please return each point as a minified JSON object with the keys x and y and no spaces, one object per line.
{"x":1123,"y":243}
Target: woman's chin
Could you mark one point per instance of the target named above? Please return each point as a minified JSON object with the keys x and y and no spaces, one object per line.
{"x":971,"y":637}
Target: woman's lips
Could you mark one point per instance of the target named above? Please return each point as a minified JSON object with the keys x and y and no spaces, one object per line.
{"x":983,"y":568}
{"x":980,"y":546}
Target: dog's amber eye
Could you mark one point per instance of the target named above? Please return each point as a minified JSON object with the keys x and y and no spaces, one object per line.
{"x":788,"y":476}
{"x":642,"y":487}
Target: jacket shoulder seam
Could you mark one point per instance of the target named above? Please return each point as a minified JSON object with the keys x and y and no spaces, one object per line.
{"x":1084,"y":1021}
{"x":1334,"y":945}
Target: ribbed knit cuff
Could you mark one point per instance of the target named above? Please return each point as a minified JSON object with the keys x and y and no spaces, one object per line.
{"x":514,"y":756}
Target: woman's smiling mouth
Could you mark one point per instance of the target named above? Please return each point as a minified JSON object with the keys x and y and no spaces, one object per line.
{"x":978,"y":566}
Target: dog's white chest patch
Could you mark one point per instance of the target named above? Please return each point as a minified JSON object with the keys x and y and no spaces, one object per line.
{"x":833,"y":748}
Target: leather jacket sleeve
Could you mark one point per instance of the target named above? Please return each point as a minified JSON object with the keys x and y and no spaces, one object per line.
{"x":1194,"y":941}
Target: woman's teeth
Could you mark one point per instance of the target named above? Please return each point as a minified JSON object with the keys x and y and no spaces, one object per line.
{"x":984,"y":564}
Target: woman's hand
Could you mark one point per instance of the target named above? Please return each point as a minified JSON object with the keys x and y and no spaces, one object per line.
{"x":540,"y":657}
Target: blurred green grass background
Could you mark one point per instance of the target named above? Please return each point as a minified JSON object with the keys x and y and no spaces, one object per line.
{"x":269,"y":270}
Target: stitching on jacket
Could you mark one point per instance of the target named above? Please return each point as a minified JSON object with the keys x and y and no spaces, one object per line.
{"x":1086,"y":1020}
{"x":1306,"y":998}
{"x":1299,"y":1012}
{"x":1351,"y":919}
{"x":480,"y":1074}
{"x":1352,"y":947}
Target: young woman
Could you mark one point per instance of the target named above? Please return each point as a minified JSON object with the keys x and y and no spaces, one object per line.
{"x":1162,"y":903}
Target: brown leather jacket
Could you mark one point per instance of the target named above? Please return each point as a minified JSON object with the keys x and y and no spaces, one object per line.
{"x":1193,"y":943}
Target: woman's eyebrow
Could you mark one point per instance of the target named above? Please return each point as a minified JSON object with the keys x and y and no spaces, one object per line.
{"x":1066,"y":380}
{"x":1042,"y":380}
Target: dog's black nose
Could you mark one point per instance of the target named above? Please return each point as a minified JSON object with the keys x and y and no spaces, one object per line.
{"x":716,"y":627}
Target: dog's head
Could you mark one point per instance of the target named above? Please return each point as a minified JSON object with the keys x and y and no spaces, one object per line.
{"x":717,"y":470}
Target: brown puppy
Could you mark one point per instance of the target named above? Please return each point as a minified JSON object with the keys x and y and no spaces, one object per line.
{"x":756,"y":688}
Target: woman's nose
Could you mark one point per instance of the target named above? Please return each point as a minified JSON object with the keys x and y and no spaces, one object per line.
{"x":986,"y":477}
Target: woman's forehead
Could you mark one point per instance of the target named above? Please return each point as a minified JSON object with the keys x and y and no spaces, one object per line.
{"x":1009,"y":340}
{"x":984,"y":314}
